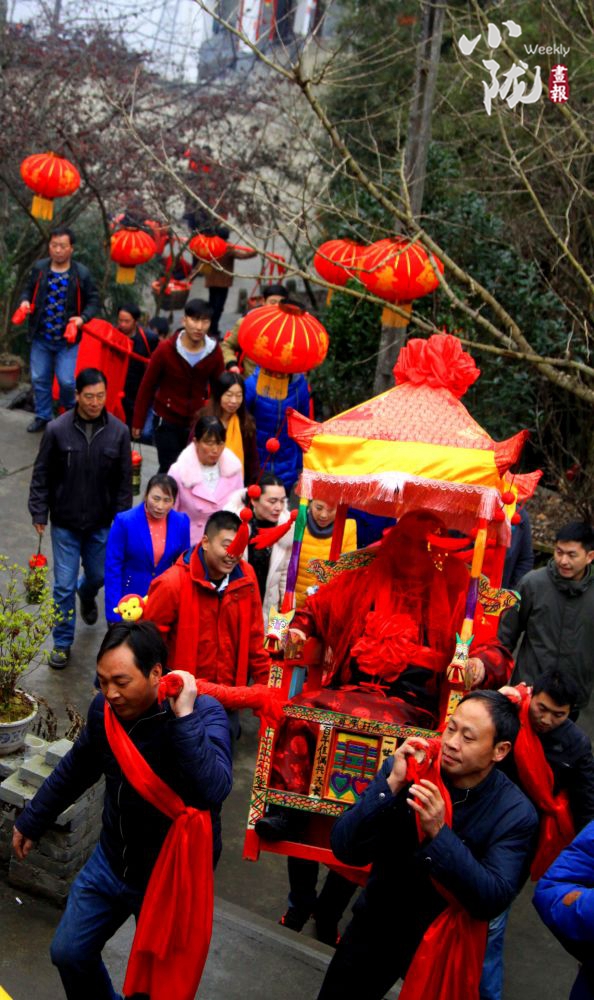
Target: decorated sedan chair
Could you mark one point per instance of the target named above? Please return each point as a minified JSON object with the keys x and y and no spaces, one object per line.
{"x":395,"y":633}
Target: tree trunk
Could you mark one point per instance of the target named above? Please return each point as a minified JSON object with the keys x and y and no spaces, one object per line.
{"x":393,"y":335}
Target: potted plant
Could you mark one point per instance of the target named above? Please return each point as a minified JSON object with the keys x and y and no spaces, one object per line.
{"x":23,"y":632}
{"x":11,"y":367}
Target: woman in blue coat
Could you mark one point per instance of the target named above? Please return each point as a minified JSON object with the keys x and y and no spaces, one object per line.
{"x":143,"y":542}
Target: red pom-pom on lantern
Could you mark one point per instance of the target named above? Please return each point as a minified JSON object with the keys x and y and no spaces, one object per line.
{"x":208,"y":248}
{"x":129,"y":248}
{"x":515,"y":518}
{"x":246,"y":514}
{"x":508,"y":497}
{"x":49,"y":176}
{"x":283,"y":340}
{"x":254,"y":491}
{"x":499,"y":515}
{"x":272,"y":446}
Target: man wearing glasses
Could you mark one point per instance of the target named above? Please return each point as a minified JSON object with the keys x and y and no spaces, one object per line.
{"x":82,"y":479}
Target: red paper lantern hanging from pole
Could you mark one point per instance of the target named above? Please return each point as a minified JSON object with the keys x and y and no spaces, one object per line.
{"x":283,"y":340}
{"x":336,"y":260}
{"x":49,"y":176}
{"x":399,"y":270}
{"x":208,"y":248}
{"x":129,"y":248}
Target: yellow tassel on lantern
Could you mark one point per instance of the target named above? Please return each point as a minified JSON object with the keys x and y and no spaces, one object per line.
{"x":125,"y":275}
{"x":42,"y":208}
{"x":391,"y":318}
{"x":274,"y":385}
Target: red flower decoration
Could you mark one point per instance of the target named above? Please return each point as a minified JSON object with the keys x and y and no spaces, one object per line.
{"x":387,"y":646}
{"x":439,"y":362}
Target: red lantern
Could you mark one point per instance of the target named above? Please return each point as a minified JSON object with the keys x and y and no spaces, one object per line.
{"x":336,"y":260}
{"x":208,"y":248}
{"x":282,"y":339}
{"x":399,"y":270}
{"x":49,"y":176}
{"x":129,"y":248}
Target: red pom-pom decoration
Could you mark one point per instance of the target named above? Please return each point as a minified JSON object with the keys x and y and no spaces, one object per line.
{"x":508,"y":497}
{"x":254,"y":491}
{"x":499,"y":515}
{"x":272,"y":446}
{"x":515,"y":518}
{"x":246,"y":514}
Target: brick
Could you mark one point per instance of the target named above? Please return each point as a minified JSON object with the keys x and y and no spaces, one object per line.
{"x":35,"y":770}
{"x":63,"y":868}
{"x":23,"y":875}
{"x":57,"y":750}
{"x":15,"y":791}
{"x":11,"y":763}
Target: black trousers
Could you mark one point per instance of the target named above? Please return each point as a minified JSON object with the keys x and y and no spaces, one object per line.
{"x":366,"y":963}
{"x":216,"y":300}
{"x":170,"y":440}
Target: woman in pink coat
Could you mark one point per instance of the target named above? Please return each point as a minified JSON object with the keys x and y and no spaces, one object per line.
{"x":206,"y":474}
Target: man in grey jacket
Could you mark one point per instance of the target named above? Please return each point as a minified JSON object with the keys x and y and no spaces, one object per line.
{"x":555,"y":618}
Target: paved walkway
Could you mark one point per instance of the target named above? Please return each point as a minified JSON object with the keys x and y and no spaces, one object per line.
{"x":251,"y":957}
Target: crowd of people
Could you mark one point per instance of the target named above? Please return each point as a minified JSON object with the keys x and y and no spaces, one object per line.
{"x":452,"y":826}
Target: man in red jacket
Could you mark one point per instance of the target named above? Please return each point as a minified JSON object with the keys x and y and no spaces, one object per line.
{"x":177,"y":381}
{"x":208,"y":606}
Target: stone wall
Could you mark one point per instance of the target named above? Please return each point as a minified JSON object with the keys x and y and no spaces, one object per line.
{"x":64,"y":848}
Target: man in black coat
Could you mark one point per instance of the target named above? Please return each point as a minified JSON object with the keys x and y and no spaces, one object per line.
{"x":482,"y":860}
{"x":59,"y":291}
{"x":81,"y":478}
{"x":185,"y":742}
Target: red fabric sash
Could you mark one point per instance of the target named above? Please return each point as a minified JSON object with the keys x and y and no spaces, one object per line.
{"x":556,"y":828}
{"x":449,"y":960}
{"x":175,"y":923}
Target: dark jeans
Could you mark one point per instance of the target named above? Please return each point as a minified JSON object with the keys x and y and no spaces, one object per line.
{"x":98,"y":904}
{"x":70,"y":548}
{"x":216,"y":300}
{"x":170,"y":440}
{"x":492,"y":977}
{"x":49,"y":358}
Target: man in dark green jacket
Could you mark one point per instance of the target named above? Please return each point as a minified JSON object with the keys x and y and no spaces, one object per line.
{"x":555,"y":617}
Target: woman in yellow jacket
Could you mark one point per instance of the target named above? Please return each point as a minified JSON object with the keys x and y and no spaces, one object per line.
{"x":317,"y":539}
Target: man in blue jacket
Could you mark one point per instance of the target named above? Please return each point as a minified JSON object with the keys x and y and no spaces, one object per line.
{"x":482,"y":860}
{"x":564,"y":899}
{"x":185,"y":742}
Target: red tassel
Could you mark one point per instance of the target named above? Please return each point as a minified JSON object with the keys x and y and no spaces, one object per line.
{"x":268,"y":536}
{"x":242,"y":537}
